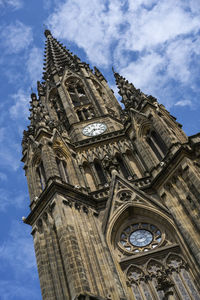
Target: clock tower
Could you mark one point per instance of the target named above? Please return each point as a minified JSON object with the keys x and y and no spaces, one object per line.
{"x":114,"y":192}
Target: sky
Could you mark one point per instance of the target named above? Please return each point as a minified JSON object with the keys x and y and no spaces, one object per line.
{"x":155,"y":44}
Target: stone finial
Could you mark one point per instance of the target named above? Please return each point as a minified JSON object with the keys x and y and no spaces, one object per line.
{"x":110,"y":164}
{"x":47,"y":32}
{"x":40,"y":88}
{"x":23,"y":219}
{"x":33,"y":96}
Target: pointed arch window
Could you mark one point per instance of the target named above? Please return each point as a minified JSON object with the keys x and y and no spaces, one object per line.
{"x":85,"y":113}
{"x":77,"y":92}
{"x":41,"y":175}
{"x":142,"y":288}
{"x":100,"y":172}
{"x":136,"y":279}
{"x":182,"y":278}
{"x":89,"y":176}
{"x":173,"y":273}
{"x":80,"y":116}
{"x":156,"y":143}
{"x":123,"y":166}
{"x":62,"y":168}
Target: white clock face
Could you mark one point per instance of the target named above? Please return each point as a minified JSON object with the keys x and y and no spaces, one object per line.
{"x":141,"y":238}
{"x":94,"y":129}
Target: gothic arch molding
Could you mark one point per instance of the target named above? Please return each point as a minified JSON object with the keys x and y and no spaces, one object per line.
{"x":143,"y":128}
{"x":59,"y":147}
{"x":133,"y":212}
{"x":36,"y":157}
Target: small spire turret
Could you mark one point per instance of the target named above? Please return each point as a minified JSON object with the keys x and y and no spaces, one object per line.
{"x":131,"y":97}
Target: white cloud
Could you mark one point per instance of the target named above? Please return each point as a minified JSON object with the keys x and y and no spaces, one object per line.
{"x":7,"y":199}
{"x":48,"y":4}
{"x":17,"y":291}
{"x":153,"y":43}
{"x":16,"y":4}
{"x":34,"y":64}
{"x":179,"y":54}
{"x":194,"y":6}
{"x":89,"y":25}
{"x":94,"y":27}
{"x":21,"y":105}
{"x":11,"y":134}
{"x":16,"y":37}
{"x":144,"y":70}
{"x":18,"y":248}
{"x":17,"y":254}
{"x":9,"y":158}
{"x":183,"y":103}
{"x":151,"y":28}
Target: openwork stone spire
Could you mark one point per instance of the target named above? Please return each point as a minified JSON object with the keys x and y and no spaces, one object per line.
{"x":131,"y":97}
{"x":57,"y":57}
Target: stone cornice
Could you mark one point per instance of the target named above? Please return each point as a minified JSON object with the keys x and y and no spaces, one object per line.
{"x":50,"y":191}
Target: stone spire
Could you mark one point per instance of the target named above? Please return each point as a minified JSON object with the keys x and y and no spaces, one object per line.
{"x":131,"y":97}
{"x":57,"y":57}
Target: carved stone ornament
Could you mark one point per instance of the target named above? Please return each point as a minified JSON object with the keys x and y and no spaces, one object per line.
{"x":41,"y":88}
{"x":39,"y":117}
{"x":110,"y":163}
{"x":165,"y":284}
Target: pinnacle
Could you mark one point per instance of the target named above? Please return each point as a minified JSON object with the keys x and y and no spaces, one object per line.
{"x":131,"y":97}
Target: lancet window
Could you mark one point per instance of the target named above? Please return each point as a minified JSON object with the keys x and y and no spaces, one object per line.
{"x":122,"y":166}
{"x":41,"y":175}
{"x":154,"y":279}
{"x":77,"y":92}
{"x":100,"y":172}
{"x":62,"y":168}
{"x":156,"y":143}
{"x":86,"y":113}
{"x":89,"y":176}
{"x":135,"y":164}
{"x":57,"y":108}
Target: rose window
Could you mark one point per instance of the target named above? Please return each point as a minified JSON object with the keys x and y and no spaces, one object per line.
{"x":140,"y":237}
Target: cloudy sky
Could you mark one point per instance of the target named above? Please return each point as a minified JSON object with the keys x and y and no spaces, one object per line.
{"x":154,"y":43}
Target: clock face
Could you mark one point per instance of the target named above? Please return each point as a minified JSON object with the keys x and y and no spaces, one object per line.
{"x":94,"y":129}
{"x":141,"y":238}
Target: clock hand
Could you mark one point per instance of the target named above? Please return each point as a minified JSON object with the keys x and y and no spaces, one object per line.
{"x":92,"y":131}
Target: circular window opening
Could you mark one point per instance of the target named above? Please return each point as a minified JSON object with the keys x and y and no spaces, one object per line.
{"x":140,"y":237}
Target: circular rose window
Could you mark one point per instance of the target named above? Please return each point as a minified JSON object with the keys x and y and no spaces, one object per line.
{"x":140,"y":237}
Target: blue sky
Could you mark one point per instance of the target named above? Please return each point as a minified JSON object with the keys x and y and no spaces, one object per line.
{"x":154,"y":43}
